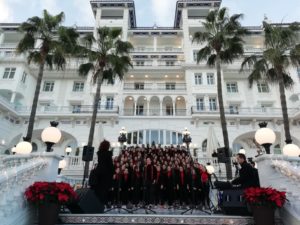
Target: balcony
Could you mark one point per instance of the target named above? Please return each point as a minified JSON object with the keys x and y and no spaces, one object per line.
{"x":68,"y":110}
{"x":157,"y":50}
{"x":154,"y":112}
{"x":243,"y":112}
{"x":148,"y":87}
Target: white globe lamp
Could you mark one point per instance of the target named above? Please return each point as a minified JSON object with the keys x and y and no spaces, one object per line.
{"x":61,"y":165}
{"x":291,"y":150}
{"x":68,"y":150}
{"x":265,"y":136}
{"x":23,"y":148}
{"x":51,"y":135}
{"x":242,"y":151}
{"x":210,"y":169}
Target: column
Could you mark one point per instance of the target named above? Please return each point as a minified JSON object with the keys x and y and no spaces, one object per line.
{"x":155,"y":43}
{"x":13,"y":97}
{"x":148,"y":108}
{"x":161,"y":107}
{"x":174,"y":105}
{"x":134,"y":110}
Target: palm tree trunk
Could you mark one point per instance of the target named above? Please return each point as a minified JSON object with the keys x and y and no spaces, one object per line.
{"x":223,"y":119}
{"x":286,"y":123}
{"x":93,"y":124}
{"x":35,"y":102}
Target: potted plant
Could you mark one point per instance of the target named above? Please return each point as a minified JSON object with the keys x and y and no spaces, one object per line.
{"x":263,"y":202}
{"x":49,"y":196}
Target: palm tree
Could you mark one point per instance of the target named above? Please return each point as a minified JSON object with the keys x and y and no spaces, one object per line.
{"x":108,"y":58}
{"x":222,"y":37}
{"x":46,"y":43}
{"x":281,"y":52}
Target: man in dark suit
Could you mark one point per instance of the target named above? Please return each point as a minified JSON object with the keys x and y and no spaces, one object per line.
{"x":256,"y":173}
{"x":247,"y":177}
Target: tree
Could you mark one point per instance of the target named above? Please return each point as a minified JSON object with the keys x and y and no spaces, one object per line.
{"x":108,"y":58}
{"x":47,"y":43}
{"x":281,"y":52}
{"x":222,"y":37}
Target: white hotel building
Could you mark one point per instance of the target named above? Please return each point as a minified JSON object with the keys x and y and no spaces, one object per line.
{"x":165,"y":92}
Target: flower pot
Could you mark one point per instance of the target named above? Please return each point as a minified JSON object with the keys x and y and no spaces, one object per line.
{"x":48,"y":214}
{"x":263,"y":215}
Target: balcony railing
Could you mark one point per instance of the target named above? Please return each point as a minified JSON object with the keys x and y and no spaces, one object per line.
{"x":159,"y":49}
{"x":84,"y":109}
{"x":243,"y":111}
{"x":154,"y":112}
{"x":154,"y":86}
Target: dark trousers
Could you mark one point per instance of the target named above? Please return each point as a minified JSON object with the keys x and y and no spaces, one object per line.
{"x":149,"y":193}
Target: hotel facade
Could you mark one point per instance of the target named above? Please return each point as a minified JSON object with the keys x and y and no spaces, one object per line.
{"x":163,"y":93}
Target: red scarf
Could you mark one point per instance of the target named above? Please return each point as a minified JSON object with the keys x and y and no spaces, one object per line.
{"x":182,"y":177}
{"x":158,"y":175}
{"x":204,"y":177}
{"x":169,"y":174}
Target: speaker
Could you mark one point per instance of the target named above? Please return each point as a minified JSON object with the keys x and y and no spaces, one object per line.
{"x":221,"y":155}
{"x":233,"y":203}
{"x":88,"y":203}
{"x":88,"y":153}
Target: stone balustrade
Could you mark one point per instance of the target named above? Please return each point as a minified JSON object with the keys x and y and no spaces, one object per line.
{"x":283,"y":173}
{"x":16,"y":174}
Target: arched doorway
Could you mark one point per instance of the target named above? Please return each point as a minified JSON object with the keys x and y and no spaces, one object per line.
{"x":180,"y":106}
{"x":154,"y":106}
{"x":129,"y":106}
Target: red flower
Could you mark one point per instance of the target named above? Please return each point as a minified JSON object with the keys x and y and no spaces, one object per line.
{"x":43,"y":192}
{"x":265,"y":196}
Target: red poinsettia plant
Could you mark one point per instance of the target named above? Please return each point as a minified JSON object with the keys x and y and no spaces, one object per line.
{"x":50,"y":192}
{"x":265,"y":197}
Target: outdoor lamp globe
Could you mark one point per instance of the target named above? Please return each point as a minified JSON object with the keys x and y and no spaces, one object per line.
{"x":291,"y":150}
{"x":265,"y":136}
{"x":210,"y":169}
{"x":23,"y":148}
{"x":51,"y":134}
{"x":242,"y":151}
{"x":62,"y":164}
{"x":68,"y":150}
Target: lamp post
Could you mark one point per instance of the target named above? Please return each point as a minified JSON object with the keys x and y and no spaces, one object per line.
{"x":122,"y":138}
{"x":51,"y":135}
{"x":265,"y":136}
{"x":14,"y":150}
{"x":24,"y":147}
{"x":186,"y":138}
{"x":68,"y":150}
{"x":62,"y":164}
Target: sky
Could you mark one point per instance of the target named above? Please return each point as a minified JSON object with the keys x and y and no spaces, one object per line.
{"x":148,"y":12}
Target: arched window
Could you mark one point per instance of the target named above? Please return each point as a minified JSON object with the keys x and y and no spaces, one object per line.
{"x":204,"y":145}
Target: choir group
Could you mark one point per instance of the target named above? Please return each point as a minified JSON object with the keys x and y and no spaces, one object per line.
{"x":158,"y":176}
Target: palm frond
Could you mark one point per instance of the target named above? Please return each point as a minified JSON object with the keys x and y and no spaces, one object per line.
{"x":123,"y":47}
{"x":203,"y":53}
{"x":26,"y":43}
{"x":211,"y":61}
{"x":85,"y":68}
{"x":200,"y":37}
{"x":260,"y":69}
{"x":295,"y":56}
{"x":35,"y":57}
{"x":248,"y":62}
{"x":115,"y":33}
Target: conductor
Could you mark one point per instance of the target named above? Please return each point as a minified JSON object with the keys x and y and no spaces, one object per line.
{"x":247,"y":176}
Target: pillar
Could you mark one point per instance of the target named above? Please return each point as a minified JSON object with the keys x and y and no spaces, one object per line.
{"x":13,"y":97}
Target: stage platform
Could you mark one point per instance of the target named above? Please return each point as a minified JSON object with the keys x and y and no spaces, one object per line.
{"x":161,"y":217}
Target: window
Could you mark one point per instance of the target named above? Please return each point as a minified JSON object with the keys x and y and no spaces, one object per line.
{"x":170,"y":86}
{"x":263,"y":87}
{"x":139,"y":86}
{"x":9,"y":73}
{"x":212,"y":104}
{"x":48,"y":86}
{"x":234,"y":109}
{"x":170,"y":63}
{"x":140,"y":63}
{"x":232,"y":87}
{"x":195,"y":55}
{"x":78,"y":86}
{"x":24,"y":76}
{"x":109,"y":103}
{"x":76,"y":108}
{"x":198,"y":78}
{"x":200,"y":104}
{"x":139,"y":110}
{"x":298,"y":72}
{"x":210,"y":79}
{"x":169,"y":110}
